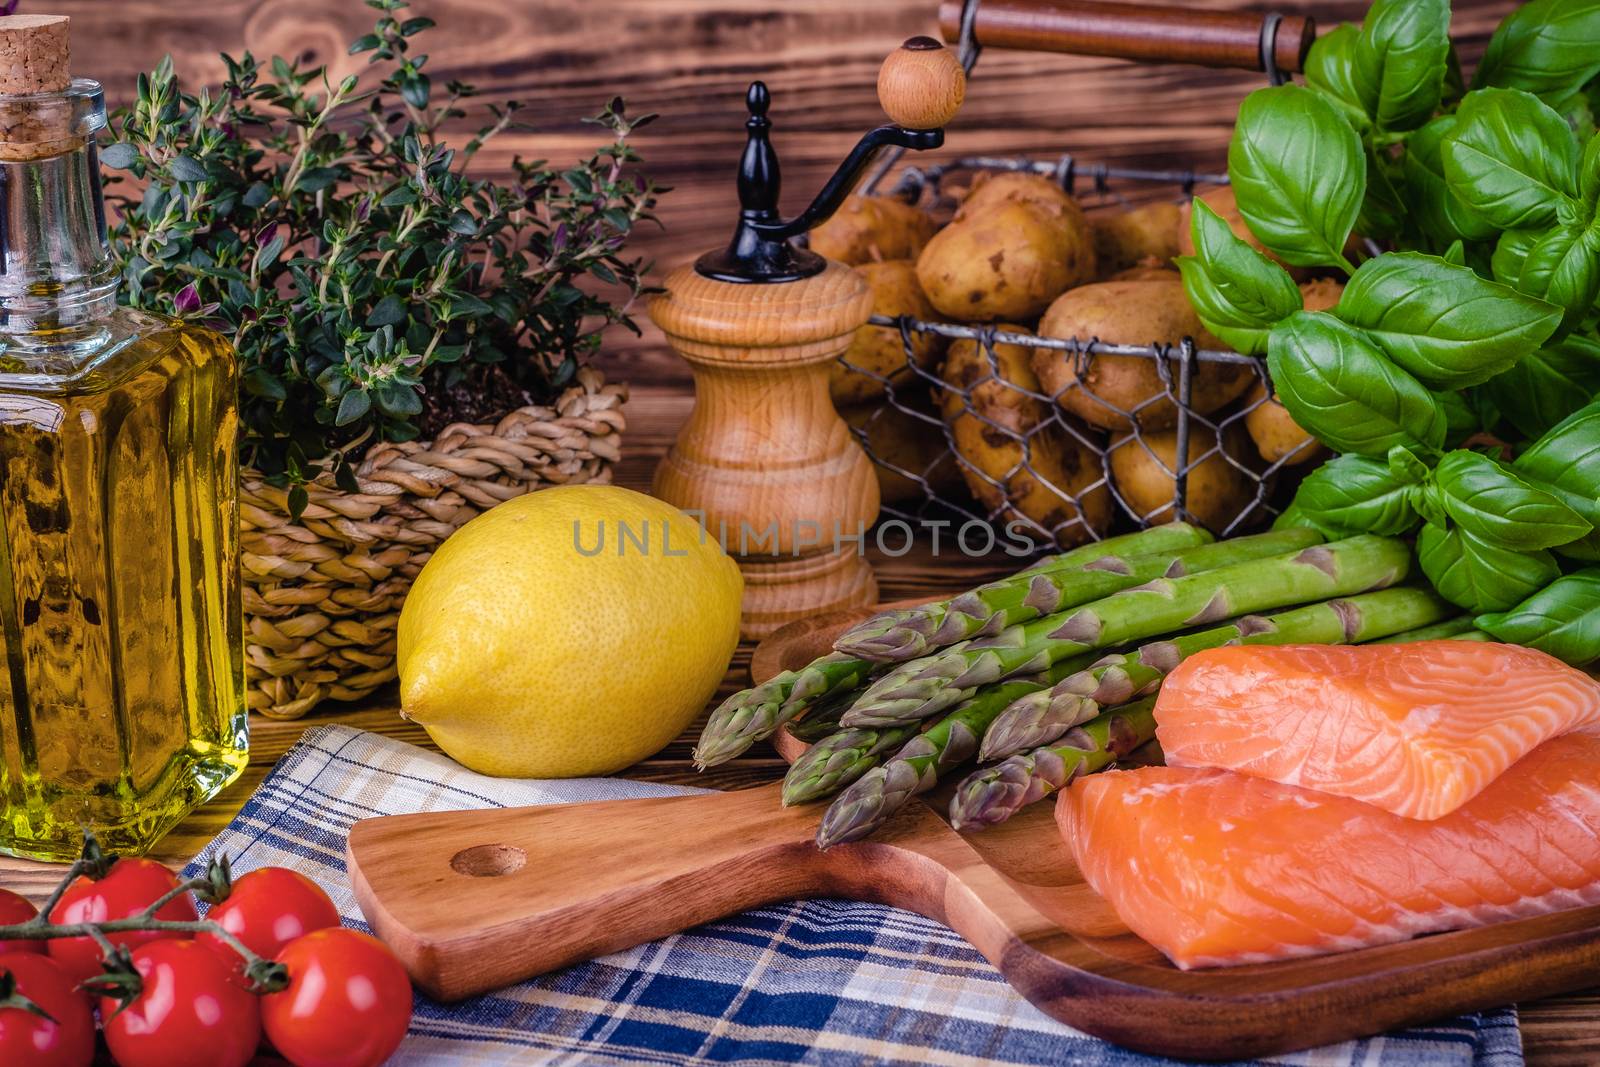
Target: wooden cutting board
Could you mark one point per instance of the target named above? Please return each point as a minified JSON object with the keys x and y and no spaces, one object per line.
{"x":475,"y":900}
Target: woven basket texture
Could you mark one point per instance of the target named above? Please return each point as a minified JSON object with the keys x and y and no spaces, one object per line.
{"x":322,"y":595}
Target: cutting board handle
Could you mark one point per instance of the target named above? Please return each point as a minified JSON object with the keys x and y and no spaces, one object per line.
{"x":475,"y":900}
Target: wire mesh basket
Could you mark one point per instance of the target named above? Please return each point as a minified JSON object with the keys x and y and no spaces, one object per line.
{"x":1065,"y":464}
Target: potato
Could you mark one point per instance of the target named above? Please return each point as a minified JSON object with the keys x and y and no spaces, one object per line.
{"x":1217,"y":491}
{"x":896,"y":439}
{"x":1276,"y":434}
{"x":1124,"y":239}
{"x":1061,"y":467}
{"x":879,"y":349}
{"x":993,"y":188}
{"x":1008,"y":261}
{"x":1223,"y":201}
{"x":1130,"y":313}
{"x":872,"y":229}
{"x":1148,"y":270}
{"x":1323,"y":294}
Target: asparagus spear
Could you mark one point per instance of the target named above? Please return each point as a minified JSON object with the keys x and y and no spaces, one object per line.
{"x":921,"y":688}
{"x":1041,"y":717}
{"x":985,"y":611}
{"x":994,"y":794}
{"x":822,"y":718}
{"x":1460,"y":629}
{"x":752,"y":715}
{"x":755,"y":714}
{"x":839,"y":759}
{"x":879,"y":791}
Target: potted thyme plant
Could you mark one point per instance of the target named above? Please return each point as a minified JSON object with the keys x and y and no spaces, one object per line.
{"x":413,"y":340}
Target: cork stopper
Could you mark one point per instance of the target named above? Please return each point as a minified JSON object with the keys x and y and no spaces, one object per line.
{"x":34,"y":54}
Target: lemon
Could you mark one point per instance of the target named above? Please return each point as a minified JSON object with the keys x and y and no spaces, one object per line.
{"x":569,"y":632}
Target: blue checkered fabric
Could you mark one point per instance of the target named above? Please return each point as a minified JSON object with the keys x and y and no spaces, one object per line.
{"x":816,"y":981}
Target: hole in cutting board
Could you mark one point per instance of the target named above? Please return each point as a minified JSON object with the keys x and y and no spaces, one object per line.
{"x":488,"y":861}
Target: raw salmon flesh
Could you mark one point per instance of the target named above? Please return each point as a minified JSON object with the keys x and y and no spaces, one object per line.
{"x":1416,"y":729}
{"x":1216,"y":868}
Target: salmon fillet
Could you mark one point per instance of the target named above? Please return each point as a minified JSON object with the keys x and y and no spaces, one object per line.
{"x":1416,"y":729}
{"x":1215,"y":868}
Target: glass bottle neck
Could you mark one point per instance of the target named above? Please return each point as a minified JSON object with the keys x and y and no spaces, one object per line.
{"x":55,"y":266}
{"x":57,"y":280}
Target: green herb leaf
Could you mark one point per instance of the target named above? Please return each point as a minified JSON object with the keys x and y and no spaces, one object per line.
{"x":352,"y":406}
{"x":390,"y":311}
{"x":1443,"y":323}
{"x":185,"y":169}
{"x":1563,"y":462}
{"x":1547,"y":47}
{"x":1299,"y":173}
{"x":1436,"y":209}
{"x":1330,"y":70}
{"x":120,"y":155}
{"x":1479,"y":576}
{"x":1511,"y":252}
{"x":1563,"y":268}
{"x":1352,"y":494}
{"x":1512,"y":159}
{"x":1496,"y":505}
{"x":1399,"y":61}
{"x":1238,"y":293}
{"x":1461,"y":417}
{"x":1545,"y":387}
{"x":1339,"y":386}
{"x":1562,"y":619}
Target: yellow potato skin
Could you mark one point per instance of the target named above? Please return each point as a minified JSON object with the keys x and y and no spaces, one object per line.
{"x":873,"y":229}
{"x":879,"y":349}
{"x":902,"y":440}
{"x":1131,"y":313}
{"x":1217,"y":491}
{"x":1058,"y":467}
{"x":1006,"y":261}
{"x":1126,"y":239}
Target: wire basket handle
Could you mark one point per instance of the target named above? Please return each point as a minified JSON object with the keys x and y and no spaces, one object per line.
{"x":1276,"y":44}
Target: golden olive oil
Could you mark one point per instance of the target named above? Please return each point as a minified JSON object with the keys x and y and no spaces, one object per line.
{"x":121,"y":645}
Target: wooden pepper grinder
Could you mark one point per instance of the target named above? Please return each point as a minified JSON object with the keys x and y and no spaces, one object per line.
{"x":764,"y":461}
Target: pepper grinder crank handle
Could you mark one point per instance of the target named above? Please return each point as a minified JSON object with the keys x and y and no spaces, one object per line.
{"x":763,"y":458}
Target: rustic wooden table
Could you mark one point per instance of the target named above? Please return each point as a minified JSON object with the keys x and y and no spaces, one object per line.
{"x":1558,"y":1032}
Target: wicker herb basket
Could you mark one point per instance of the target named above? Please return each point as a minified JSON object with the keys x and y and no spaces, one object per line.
{"x":322,"y":595}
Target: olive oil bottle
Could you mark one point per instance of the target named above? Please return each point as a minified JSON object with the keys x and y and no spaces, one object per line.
{"x":121,"y":645}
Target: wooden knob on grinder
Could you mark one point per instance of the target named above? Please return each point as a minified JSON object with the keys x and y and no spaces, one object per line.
{"x":921,"y":85}
{"x":34,"y":54}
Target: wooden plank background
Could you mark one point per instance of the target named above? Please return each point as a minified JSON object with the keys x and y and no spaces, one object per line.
{"x":690,"y":60}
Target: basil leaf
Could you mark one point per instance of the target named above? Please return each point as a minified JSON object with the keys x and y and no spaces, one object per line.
{"x":1349,"y":495}
{"x":1436,"y":210}
{"x":1341,"y":388}
{"x":1299,"y":175}
{"x":1496,"y":505}
{"x":1238,"y":293}
{"x":1443,"y":323}
{"x":1511,"y":252}
{"x":1546,"y":47}
{"x":1383,"y":213}
{"x":1478,"y":576}
{"x":1589,"y":173}
{"x":1563,"y":268}
{"x":1399,"y":61}
{"x":1563,"y":462}
{"x":1543,"y":388}
{"x":1461,"y":418}
{"x":1512,"y":160}
{"x":1429,"y":503}
{"x":1562,"y":619}
{"x":1330,"y":71}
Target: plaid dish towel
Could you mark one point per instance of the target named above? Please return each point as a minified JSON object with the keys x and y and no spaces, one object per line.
{"x":817,"y":981}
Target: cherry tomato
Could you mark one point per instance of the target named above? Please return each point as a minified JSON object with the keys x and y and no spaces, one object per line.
{"x":348,"y":1002}
{"x":131,"y":886}
{"x":266,"y":910}
{"x":189,"y":1012}
{"x":14,"y":909}
{"x":66,"y":1039}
